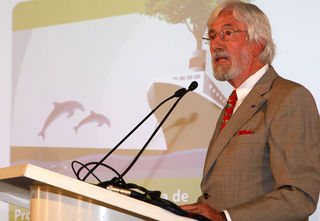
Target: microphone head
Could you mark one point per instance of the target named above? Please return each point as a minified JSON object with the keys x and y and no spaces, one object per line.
{"x":193,"y":86}
{"x":180,"y":92}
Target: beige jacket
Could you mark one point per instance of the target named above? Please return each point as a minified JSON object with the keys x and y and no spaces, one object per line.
{"x":271,"y":173}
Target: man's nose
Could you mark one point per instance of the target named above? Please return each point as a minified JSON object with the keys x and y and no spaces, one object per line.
{"x":217,"y":43}
{"x":217,"y":47}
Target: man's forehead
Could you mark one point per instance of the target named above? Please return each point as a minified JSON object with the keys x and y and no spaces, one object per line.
{"x":226,"y":20}
{"x":225,"y":26}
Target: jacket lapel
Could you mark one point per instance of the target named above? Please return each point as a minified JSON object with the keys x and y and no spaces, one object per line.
{"x":246,"y":110}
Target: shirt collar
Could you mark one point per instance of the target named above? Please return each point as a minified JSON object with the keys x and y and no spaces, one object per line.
{"x":244,"y":89}
{"x":246,"y":86}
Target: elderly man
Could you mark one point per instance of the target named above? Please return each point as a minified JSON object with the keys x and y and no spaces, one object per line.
{"x":262,"y":163}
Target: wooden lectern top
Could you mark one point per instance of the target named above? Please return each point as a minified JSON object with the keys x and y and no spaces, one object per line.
{"x":15,"y":183}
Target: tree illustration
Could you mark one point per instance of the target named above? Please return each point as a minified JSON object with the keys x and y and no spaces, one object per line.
{"x":193,"y":13}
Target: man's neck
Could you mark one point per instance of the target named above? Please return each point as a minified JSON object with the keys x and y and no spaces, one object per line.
{"x":236,"y":82}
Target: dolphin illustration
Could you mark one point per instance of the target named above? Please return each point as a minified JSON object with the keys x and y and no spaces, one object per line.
{"x":59,"y":109}
{"x":93,"y":117}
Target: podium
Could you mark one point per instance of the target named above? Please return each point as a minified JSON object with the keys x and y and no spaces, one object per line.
{"x":51,"y":196}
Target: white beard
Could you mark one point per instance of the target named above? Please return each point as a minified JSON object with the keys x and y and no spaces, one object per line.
{"x":225,"y":73}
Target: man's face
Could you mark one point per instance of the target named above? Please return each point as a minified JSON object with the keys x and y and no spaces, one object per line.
{"x":230,"y":56}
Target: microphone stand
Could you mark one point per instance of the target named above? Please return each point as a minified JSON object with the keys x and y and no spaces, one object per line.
{"x":119,"y":181}
{"x":151,"y":137}
{"x":179,"y":93}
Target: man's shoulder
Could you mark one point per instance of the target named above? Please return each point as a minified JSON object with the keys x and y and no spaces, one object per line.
{"x":287,"y":86}
{"x":272,"y":81}
{"x":287,"y":91}
{"x":281,"y":83}
{"x":281,"y":89}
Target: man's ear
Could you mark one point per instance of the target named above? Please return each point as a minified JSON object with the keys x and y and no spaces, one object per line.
{"x":257,"y":47}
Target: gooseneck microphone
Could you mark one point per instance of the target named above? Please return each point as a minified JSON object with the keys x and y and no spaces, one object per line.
{"x":177,"y":94}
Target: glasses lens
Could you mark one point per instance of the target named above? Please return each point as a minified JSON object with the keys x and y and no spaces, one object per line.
{"x":227,"y":34}
{"x":212,"y":36}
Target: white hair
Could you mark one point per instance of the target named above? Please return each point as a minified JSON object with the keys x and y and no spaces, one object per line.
{"x":259,"y":29}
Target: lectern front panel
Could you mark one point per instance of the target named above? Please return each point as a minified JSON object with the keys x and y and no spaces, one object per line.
{"x":51,"y":204}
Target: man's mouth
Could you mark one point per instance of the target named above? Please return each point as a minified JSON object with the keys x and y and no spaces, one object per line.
{"x":220,"y":56}
{"x":219,"y":59}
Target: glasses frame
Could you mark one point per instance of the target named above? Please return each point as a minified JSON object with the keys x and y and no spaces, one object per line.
{"x":221,"y":34}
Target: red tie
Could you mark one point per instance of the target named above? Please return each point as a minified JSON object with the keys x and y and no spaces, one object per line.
{"x":232,"y":100}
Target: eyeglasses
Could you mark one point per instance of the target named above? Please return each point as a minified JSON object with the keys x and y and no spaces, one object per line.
{"x":224,"y":35}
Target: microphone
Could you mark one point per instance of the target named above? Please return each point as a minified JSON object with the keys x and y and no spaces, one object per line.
{"x":182,"y":91}
{"x":179,"y":94}
{"x":193,"y":86}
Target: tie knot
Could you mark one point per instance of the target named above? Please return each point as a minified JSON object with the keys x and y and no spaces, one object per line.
{"x":233,"y":97}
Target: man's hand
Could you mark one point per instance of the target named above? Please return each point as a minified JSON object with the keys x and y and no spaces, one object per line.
{"x":205,"y":210}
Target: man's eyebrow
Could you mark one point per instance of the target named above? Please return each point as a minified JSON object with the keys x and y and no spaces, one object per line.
{"x":224,"y":26}
{"x":228,"y":26}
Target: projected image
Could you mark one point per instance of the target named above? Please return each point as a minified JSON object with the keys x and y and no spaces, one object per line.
{"x":83,"y":85}
{"x":93,"y":73}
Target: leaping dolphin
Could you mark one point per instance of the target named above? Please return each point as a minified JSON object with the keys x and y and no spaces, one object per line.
{"x":68,"y":107}
{"x":93,"y":117}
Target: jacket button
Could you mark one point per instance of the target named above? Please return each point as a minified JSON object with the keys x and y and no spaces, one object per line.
{"x":206,"y":195}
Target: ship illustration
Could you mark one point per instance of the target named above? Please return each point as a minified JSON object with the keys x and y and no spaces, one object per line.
{"x":193,"y":121}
